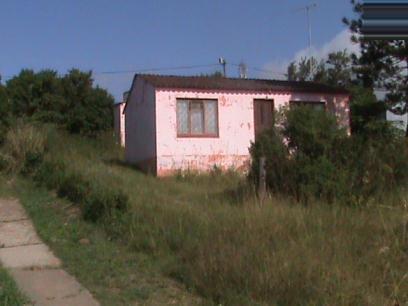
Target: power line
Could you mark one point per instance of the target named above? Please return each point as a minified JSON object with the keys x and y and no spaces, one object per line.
{"x":155,"y":69}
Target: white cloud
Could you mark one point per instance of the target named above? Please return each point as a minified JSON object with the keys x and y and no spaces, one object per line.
{"x":277,"y":68}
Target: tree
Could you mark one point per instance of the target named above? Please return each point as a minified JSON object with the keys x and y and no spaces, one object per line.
{"x":339,"y":71}
{"x":367,"y":113}
{"x":307,"y":69}
{"x":382,"y":64}
{"x":4,"y":112}
{"x":70,"y":101}
{"x":335,"y":70}
{"x":36,"y":95}
{"x":88,"y":110}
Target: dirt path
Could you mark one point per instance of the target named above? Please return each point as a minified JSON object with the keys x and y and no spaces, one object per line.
{"x":35,"y":269}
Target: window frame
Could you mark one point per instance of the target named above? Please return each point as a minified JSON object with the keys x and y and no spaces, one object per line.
{"x":306,"y":103}
{"x":190,"y":134}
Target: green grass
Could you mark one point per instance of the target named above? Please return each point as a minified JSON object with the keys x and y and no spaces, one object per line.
{"x":9,"y":293}
{"x":111,"y":271}
{"x":210,"y":233}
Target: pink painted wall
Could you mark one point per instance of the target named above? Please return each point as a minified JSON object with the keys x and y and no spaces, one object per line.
{"x":141,"y":126}
{"x":119,"y":122}
{"x":236,"y":128}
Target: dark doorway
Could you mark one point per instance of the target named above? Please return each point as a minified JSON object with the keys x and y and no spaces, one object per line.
{"x":263,"y":115}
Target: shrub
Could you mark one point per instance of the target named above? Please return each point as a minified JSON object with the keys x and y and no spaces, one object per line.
{"x":24,"y":148}
{"x":102,"y":202}
{"x":4,"y":113}
{"x":71,"y":101}
{"x":309,"y":156}
{"x":74,"y":187}
{"x":309,"y":132}
{"x":25,"y":151}
{"x":95,"y":198}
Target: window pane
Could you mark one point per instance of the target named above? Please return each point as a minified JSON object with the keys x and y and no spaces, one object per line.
{"x":197,"y":117}
{"x":182,"y":117}
{"x":211,"y":117}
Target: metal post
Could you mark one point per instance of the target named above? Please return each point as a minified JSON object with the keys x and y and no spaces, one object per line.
{"x":309,"y":27}
{"x":223,"y":62}
{"x":262,"y":179}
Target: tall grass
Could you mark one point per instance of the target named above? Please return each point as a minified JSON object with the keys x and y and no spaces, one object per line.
{"x":9,"y":293}
{"x":24,"y":147}
{"x":222,"y":243}
{"x":209,"y":232}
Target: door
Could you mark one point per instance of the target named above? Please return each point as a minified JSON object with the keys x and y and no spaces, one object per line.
{"x":263,"y":115}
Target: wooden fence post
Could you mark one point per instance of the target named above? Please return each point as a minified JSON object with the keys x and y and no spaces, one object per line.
{"x":262,"y":179}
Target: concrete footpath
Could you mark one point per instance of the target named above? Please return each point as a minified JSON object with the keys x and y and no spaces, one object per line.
{"x":33,"y":266}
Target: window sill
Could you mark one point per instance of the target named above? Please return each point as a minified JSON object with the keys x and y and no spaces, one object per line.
{"x":198,"y":136}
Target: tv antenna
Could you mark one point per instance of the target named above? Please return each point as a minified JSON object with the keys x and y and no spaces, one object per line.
{"x":222,"y":62}
{"x":307,"y":9}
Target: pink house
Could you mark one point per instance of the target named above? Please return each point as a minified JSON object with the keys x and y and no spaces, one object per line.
{"x":194,"y":123}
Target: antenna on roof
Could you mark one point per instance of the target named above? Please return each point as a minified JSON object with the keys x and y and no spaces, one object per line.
{"x":243,"y":70}
{"x":222,"y":61}
{"x":307,"y":9}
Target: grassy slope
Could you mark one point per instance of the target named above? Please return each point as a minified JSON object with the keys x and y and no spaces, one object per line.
{"x":9,"y":294}
{"x":116,"y":275}
{"x":201,"y":231}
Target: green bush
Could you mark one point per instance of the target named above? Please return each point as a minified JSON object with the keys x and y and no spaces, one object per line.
{"x":73,"y":187}
{"x":70,"y":101}
{"x":25,"y":152}
{"x":103,"y":202}
{"x":310,"y":157}
{"x":4,"y":113}
{"x":95,"y":198}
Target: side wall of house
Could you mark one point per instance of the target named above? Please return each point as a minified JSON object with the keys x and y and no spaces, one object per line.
{"x":119,"y":122}
{"x":236,"y":128}
{"x":140,"y":126}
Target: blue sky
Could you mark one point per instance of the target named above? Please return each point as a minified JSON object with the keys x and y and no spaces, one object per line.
{"x":124,"y":35}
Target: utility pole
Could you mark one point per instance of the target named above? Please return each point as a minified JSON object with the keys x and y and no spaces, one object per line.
{"x":307,"y":9}
{"x":243,"y":70}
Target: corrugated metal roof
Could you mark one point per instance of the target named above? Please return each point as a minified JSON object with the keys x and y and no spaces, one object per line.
{"x":235,"y":84}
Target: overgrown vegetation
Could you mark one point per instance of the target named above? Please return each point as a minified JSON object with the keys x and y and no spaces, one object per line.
{"x":115,"y":274}
{"x":24,"y":148}
{"x":70,"y":101}
{"x":9,"y":293}
{"x":209,"y":232}
{"x":366,"y":111}
{"x":25,"y":152}
{"x":309,"y":157}
{"x":381,"y":64}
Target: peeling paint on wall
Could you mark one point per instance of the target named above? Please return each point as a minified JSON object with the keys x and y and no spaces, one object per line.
{"x":235,"y":123}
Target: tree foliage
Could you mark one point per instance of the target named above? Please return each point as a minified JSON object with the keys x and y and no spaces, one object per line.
{"x":367,"y":113}
{"x":310,"y":157}
{"x":335,"y":70}
{"x":381,"y":64}
{"x":70,"y":101}
{"x":4,"y":112}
